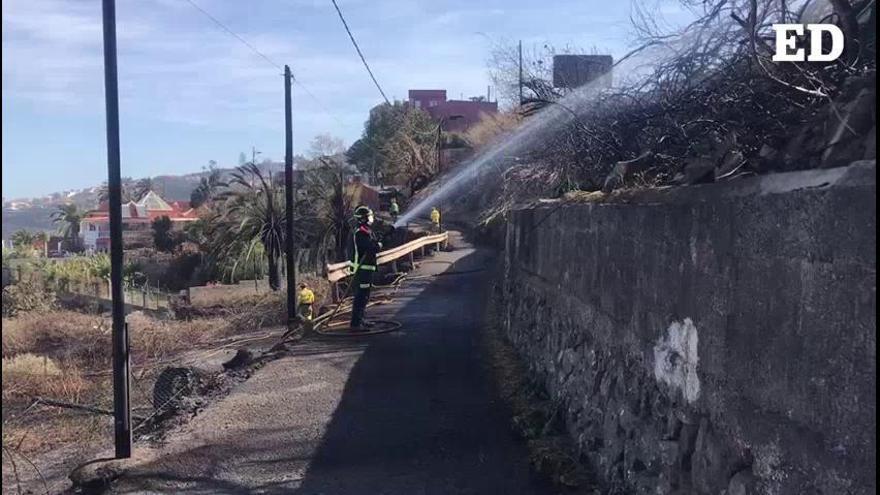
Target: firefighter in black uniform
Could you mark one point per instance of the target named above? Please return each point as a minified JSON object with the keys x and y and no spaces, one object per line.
{"x":366,"y":245}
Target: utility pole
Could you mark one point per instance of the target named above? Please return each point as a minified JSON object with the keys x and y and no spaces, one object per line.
{"x":288,"y":200}
{"x":440,"y":137}
{"x":439,"y":141}
{"x":121,"y":406}
{"x":254,"y":154}
{"x":520,"y":75}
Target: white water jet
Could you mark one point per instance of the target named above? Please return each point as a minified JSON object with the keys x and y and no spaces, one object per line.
{"x":536,"y":128}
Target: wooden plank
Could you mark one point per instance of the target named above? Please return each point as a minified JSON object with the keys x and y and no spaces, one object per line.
{"x":339,"y":271}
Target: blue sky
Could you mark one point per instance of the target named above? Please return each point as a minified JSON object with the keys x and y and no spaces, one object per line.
{"x":190,"y":93}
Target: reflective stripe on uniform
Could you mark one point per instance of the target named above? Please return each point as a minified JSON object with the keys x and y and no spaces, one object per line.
{"x":356,"y":257}
{"x":366,"y":286}
{"x":366,"y":268}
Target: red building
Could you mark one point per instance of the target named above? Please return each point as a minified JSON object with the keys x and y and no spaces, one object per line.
{"x":456,"y":115}
{"x":137,"y":220}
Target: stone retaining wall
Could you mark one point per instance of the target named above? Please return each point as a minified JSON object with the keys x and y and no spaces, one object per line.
{"x":708,"y":339}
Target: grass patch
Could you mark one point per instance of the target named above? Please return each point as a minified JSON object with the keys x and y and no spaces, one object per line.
{"x":68,"y":337}
{"x":245,"y":310}
{"x":65,"y":357}
{"x":73,"y":339}
{"x":29,"y":375}
{"x":535,"y":417}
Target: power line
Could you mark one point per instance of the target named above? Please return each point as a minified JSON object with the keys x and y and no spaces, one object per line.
{"x":320,"y":103}
{"x":295,"y":79}
{"x":239,"y":38}
{"x":356,"y":47}
{"x":267,"y":59}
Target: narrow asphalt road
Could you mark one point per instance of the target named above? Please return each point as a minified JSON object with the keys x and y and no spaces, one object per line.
{"x":411,"y":412}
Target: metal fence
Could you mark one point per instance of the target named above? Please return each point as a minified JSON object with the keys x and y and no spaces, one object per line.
{"x":140,"y":295}
{"x":147,"y":297}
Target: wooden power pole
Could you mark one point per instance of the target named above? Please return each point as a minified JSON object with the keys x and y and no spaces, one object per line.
{"x":520,"y":75}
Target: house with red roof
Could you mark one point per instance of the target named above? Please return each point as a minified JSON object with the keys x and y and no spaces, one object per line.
{"x":137,"y":221}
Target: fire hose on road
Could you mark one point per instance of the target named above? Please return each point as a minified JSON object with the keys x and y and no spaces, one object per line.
{"x":326,"y":320}
{"x":327,"y":324}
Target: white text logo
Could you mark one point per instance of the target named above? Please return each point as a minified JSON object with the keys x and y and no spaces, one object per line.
{"x":787,"y":38}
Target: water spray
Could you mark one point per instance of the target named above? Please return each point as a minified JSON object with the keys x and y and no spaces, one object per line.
{"x":537,"y":128}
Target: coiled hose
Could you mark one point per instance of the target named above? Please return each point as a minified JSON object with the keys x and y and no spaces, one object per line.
{"x":326,"y":320}
{"x":323,"y":324}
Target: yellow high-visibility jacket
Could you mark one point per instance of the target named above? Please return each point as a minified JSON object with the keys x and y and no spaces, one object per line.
{"x":306,"y":296}
{"x":435,"y":216}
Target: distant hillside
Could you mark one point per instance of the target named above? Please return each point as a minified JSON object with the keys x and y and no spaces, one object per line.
{"x":34,"y":213}
{"x":35,"y":218}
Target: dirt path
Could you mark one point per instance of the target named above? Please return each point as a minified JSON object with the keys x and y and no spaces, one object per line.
{"x":410,"y":412}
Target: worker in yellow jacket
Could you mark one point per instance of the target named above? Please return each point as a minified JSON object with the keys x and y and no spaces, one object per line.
{"x":394,"y":209}
{"x":306,"y":300}
{"x":435,"y":219}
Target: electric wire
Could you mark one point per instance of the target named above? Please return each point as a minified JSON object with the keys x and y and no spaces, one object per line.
{"x":265,"y":57}
{"x":236,"y":36}
{"x":356,"y":47}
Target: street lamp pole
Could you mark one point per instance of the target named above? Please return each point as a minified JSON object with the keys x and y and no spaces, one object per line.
{"x":119,"y":333}
{"x":290,"y":247}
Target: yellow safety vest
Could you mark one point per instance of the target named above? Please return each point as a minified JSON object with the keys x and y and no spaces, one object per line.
{"x":306,"y":296}
{"x":435,"y":216}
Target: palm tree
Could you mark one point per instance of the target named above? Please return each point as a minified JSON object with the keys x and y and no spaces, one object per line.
{"x":142,"y":187}
{"x":330,"y":203}
{"x":43,"y":237}
{"x":207,"y":188}
{"x":252,"y":213}
{"x":68,"y":217}
{"x":127,"y":191}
